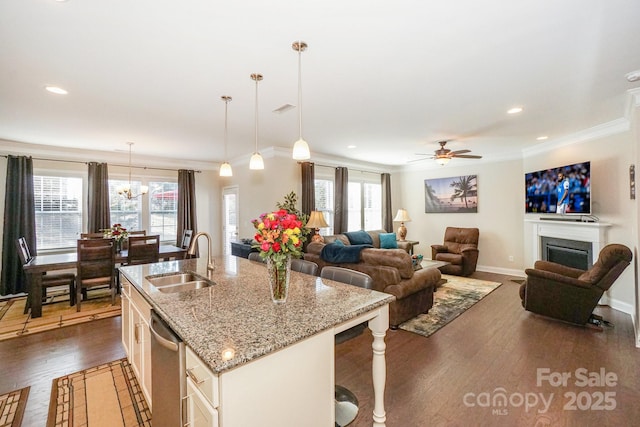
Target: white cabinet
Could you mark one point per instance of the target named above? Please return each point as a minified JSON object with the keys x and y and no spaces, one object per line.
{"x":136,"y":337}
{"x":292,"y":386}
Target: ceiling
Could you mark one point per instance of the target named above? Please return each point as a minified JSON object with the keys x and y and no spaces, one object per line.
{"x":390,"y":78}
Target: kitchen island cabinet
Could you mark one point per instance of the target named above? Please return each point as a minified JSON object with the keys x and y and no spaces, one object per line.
{"x":251,"y":362}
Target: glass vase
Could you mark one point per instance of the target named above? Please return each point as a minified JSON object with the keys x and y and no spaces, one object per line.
{"x":279,"y":273}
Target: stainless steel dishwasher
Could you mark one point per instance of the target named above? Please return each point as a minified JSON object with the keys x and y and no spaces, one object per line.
{"x":168,"y":380}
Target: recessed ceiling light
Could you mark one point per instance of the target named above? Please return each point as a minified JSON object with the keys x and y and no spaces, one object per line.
{"x":57,"y":90}
{"x":542,"y":137}
{"x":284,"y":108}
{"x":514,"y":110}
{"x":633,"y":76}
{"x":351,"y":146}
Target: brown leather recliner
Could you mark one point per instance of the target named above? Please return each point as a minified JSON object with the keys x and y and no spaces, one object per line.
{"x":571,"y":294}
{"x":460,"y":249}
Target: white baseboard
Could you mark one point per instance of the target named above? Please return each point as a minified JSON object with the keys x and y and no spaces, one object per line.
{"x":498,"y":270}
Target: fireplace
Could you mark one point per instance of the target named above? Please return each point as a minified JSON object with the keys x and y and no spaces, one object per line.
{"x":593,"y":234}
{"x":572,"y":253}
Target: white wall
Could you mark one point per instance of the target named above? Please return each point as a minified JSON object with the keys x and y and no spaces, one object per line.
{"x":499,"y":218}
{"x":260,"y":190}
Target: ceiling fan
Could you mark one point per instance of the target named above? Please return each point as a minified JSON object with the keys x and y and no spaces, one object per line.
{"x":443,"y":155}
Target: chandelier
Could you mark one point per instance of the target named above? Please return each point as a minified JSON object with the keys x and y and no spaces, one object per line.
{"x":126,"y":190}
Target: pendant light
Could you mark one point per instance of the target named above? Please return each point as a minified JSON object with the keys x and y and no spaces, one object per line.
{"x":256,"y":162}
{"x":225,"y":167}
{"x":300,"y":148}
{"x":126,"y":190}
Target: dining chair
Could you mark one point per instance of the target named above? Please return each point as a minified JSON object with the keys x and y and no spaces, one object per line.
{"x":143,"y":249}
{"x":187,"y":235}
{"x":138,"y":233}
{"x":91,"y":235}
{"x":48,"y":279}
{"x":96,"y":267}
{"x":186,"y":239}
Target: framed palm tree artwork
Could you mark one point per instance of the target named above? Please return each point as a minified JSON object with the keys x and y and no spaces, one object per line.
{"x":457,"y":194}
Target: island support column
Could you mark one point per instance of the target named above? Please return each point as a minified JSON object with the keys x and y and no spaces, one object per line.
{"x":379,"y":326}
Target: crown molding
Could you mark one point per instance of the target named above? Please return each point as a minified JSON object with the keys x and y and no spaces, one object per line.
{"x":82,"y":155}
{"x":613,"y":127}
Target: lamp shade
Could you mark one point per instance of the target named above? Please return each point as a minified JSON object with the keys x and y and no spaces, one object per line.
{"x":402,"y":216}
{"x":316,"y":220}
{"x":301,"y":150}
{"x":256,"y":162}
{"x":225,"y":169}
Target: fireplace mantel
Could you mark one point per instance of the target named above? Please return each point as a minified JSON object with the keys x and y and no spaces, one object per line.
{"x":593,"y":232}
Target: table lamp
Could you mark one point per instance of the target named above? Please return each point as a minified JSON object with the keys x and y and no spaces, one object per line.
{"x":316,"y":221}
{"x":402,"y":216}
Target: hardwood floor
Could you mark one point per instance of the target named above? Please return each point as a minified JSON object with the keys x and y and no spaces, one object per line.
{"x":493,"y":345}
{"x":35,"y":360}
{"x":497,"y":346}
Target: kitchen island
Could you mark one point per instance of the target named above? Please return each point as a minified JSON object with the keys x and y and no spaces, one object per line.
{"x":271,"y":364}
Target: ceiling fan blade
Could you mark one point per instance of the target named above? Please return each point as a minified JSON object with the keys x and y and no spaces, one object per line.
{"x":419,"y":160}
{"x":467,"y":156}
{"x":460,"y":152}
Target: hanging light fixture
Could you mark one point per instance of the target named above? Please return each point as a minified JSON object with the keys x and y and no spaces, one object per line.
{"x":126,"y":189}
{"x":300,"y":148}
{"x":256,"y":162}
{"x":225,"y":167}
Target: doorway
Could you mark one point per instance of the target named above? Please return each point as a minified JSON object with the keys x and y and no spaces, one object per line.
{"x":230,"y":218}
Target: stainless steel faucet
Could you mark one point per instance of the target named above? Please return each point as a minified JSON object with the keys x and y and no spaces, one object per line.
{"x":211,"y":266}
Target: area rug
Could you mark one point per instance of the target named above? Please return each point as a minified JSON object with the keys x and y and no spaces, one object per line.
{"x":449,"y":301}
{"x":12,"y":406}
{"x":106,"y":395}
{"x":56,"y":313}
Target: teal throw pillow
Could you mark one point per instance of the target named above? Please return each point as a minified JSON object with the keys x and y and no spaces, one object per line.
{"x":338,"y":242}
{"x":359,"y":237}
{"x":388,"y":241}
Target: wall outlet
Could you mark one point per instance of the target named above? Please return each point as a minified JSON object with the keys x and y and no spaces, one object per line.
{"x":510,"y":258}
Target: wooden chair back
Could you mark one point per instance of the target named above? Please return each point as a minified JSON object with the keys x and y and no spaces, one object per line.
{"x":143,"y":249}
{"x":186,"y":239}
{"x":23,"y":251}
{"x":96,"y":266}
{"x":138,"y":233}
{"x":92,"y":235}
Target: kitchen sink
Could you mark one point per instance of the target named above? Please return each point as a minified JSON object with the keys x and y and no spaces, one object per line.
{"x":179,"y":282}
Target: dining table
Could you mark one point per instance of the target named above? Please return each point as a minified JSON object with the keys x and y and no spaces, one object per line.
{"x":40,"y":264}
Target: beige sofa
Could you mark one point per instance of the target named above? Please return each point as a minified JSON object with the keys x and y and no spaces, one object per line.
{"x":392,"y":272}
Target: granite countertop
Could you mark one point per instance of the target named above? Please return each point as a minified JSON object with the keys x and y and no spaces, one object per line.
{"x":235,"y":321}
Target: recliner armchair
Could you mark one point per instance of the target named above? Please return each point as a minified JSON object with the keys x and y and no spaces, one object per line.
{"x":460,"y":249}
{"x":571,"y":294}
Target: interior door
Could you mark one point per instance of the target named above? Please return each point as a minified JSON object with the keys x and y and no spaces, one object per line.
{"x":230,"y":218}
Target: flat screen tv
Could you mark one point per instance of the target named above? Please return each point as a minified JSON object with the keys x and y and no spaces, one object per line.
{"x":570,"y":184}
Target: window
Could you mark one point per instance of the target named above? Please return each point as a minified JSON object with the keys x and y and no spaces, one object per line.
{"x":161,"y":216}
{"x":163,"y":209}
{"x":372,"y":206}
{"x":365,"y":206}
{"x":58,"y":211}
{"x":324,"y":203}
{"x":127,"y":212}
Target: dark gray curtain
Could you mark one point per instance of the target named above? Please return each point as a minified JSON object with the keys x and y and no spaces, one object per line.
{"x":308,"y":187}
{"x":186,"y":203}
{"x":98,"y":212}
{"x":387,"y":214}
{"x":341,"y":219}
{"x":19,"y":220}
